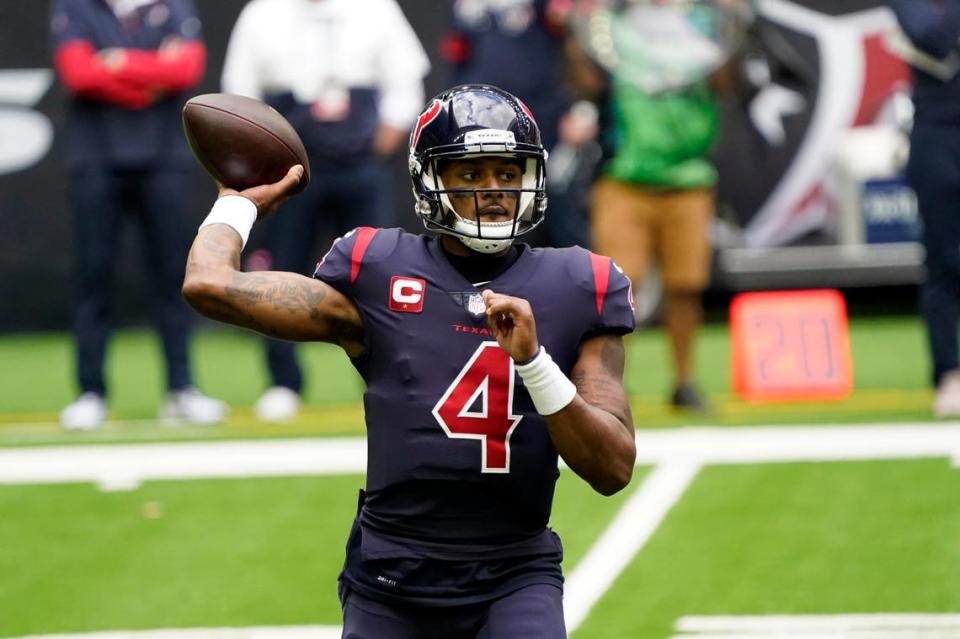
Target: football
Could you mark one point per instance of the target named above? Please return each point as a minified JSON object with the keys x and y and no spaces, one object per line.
{"x":242,"y":142}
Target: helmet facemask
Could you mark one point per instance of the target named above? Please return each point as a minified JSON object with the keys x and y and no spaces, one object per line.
{"x":526,"y":204}
{"x":469,"y":122}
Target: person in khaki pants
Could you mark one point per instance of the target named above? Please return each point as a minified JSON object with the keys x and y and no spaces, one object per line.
{"x":654,"y":197}
{"x":654,"y":200}
{"x":636,"y":224}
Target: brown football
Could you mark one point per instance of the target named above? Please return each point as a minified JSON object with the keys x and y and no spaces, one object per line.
{"x":242,"y":142}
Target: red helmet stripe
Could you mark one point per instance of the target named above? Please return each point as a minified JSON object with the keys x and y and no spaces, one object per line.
{"x":425,"y":118}
{"x":526,"y":110}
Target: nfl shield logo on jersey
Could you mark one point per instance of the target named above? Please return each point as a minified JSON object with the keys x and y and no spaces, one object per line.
{"x":475,"y":304}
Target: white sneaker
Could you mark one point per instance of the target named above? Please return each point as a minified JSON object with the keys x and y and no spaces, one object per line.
{"x":947,"y":401}
{"x":191,"y":405}
{"x":87,"y":412}
{"x":277,"y":404}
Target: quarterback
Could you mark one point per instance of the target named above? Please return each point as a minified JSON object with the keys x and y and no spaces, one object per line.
{"x":484,"y":360}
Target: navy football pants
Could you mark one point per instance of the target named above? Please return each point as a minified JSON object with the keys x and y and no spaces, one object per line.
{"x":934,"y":173}
{"x":533,"y":612}
{"x":337,"y":200}
{"x":100,"y":198}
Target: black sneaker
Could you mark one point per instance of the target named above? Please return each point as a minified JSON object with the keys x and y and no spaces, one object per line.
{"x":687,"y":397}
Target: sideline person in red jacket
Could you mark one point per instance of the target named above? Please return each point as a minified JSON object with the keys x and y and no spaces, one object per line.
{"x":127,"y":66}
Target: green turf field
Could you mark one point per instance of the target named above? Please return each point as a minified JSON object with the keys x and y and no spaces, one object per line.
{"x":195,"y":554}
{"x":876,"y":537}
{"x":754,"y":539}
{"x":803,"y":538}
{"x":889,"y":357}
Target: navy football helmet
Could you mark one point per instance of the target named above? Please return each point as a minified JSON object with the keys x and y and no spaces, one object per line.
{"x":471,"y":121}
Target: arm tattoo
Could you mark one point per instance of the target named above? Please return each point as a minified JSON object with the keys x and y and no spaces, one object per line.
{"x":284,"y":295}
{"x":277,"y":304}
{"x":602,"y":386}
{"x":347,"y":332}
{"x":224,"y":312}
{"x":298,"y":297}
{"x":221,"y":242}
{"x":612,"y":357}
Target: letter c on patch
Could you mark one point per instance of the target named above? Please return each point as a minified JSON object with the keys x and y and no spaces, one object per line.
{"x":406,"y":294}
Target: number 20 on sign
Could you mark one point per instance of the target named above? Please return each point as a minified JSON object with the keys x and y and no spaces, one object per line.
{"x":790,"y":346}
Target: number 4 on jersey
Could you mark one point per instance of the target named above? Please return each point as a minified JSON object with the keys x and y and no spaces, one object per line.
{"x":485,"y":385}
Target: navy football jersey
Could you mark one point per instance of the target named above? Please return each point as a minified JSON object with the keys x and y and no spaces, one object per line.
{"x":460,"y":466}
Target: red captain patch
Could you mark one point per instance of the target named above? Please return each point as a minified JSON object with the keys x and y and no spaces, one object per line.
{"x":406,"y":294}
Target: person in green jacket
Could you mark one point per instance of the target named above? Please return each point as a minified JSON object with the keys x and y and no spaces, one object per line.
{"x":660,"y":67}
{"x":654,"y":200}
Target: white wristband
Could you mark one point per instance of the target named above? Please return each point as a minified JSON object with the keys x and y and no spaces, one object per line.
{"x":549,"y":388}
{"x":235,"y":211}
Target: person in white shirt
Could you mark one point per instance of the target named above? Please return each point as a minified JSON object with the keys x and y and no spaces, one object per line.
{"x":348,"y":75}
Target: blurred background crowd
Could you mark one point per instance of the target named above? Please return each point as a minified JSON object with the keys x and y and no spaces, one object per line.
{"x":706,"y":145}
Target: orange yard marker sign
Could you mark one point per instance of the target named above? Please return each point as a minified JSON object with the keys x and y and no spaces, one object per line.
{"x":790,"y":346}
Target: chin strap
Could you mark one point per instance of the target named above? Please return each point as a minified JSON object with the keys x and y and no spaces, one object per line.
{"x":497,"y":236}
{"x":484,"y":246}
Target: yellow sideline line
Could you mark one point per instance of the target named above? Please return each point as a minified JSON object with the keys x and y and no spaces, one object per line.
{"x":349,"y":417}
{"x":860,"y":401}
{"x":312,"y":419}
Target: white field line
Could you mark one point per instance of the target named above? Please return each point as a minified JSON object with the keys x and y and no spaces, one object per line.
{"x":268,"y":632}
{"x":680,"y":451}
{"x":842,"y":626}
{"x":819,"y":623}
{"x":766,"y":444}
{"x":629,"y":531}
{"x":873,"y":633}
{"x":126,"y":465}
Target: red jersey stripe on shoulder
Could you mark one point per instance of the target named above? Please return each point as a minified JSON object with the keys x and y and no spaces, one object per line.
{"x":601,"y":278}
{"x":364,"y":237}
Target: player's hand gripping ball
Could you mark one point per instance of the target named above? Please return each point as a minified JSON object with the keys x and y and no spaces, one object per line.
{"x":242,"y":142}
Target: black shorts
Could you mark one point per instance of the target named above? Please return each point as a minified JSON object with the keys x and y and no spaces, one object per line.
{"x":531,"y":612}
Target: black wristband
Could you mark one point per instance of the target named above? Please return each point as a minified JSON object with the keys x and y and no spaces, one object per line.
{"x":527,"y":361}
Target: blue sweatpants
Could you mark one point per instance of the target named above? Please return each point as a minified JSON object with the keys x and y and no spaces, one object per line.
{"x":101,"y":197}
{"x":934,"y":173}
